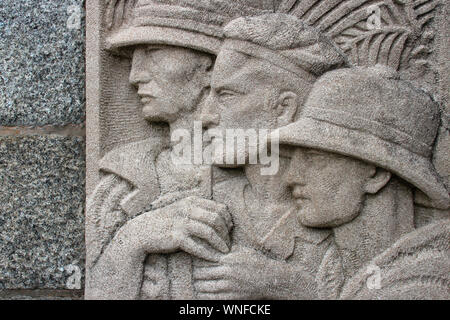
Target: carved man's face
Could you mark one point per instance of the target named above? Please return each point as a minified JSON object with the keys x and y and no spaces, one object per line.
{"x":246,"y":94}
{"x":169,"y":80}
{"x":328,"y":188}
{"x":239,"y":97}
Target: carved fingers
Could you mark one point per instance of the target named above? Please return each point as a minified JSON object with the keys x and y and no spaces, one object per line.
{"x":197,"y":226}
{"x":238,"y":275}
{"x":103,"y":213}
{"x":219,"y":212}
{"x":216,"y":282}
{"x":204,"y":228}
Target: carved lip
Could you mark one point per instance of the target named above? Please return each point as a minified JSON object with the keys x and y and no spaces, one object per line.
{"x":300,"y":197}
{"x":298,"y":193}
{"x":207,"y":133}
{"x":146,"y":98}
{"x":300,"y":202}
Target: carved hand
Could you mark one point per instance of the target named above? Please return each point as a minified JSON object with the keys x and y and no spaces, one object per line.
{"x":197,"y":226}
{"x":249,"y":274}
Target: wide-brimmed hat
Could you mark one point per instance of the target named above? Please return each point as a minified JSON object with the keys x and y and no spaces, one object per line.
{"x":364,"y":114}
{"x":192,"y":24}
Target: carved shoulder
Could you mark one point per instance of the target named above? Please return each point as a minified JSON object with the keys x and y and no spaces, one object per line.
{"x":135,"y":162}
{"x":130,"y":161}
{"x":415,"y":267}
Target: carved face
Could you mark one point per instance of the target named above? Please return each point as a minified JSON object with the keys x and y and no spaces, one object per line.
{"x":169,"y":80}
{"x":238,"y":93}
{"x":250,"y":93}
{"x":328,"y":189}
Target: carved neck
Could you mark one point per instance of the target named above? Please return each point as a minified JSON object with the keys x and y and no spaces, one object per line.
{"x":269,"y":186}
{"x":384,"y":218}
{"x":185,"y":122}
{"x":186,"y":119}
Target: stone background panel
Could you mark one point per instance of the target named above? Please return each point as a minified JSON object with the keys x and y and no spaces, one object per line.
{"x":41,"y":64}
{"x":41,"y":210}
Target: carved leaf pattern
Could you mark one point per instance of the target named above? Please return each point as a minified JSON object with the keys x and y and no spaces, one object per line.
{"x":419,"y":261}
{"x":330,"y":275}
{"x":393,"y":42}
{"x":104,"y":215}
{"x":118,"y":12}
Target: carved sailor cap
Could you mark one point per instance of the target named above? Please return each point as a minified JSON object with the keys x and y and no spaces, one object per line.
{"x":286,"y":42}
{"x":186,"y":23}
{"x":374,"y":117}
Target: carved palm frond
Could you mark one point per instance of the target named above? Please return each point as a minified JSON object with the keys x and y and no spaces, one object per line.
{"x":418,"y":261}
{"x":370,"y":31}
{"x":118,"y":12}
{"x":330,"y":275}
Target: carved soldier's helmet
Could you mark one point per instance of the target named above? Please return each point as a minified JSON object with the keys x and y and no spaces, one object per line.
{"x":186,"y":23}
{"x":370,"y":115}
{"x":284,"y":41}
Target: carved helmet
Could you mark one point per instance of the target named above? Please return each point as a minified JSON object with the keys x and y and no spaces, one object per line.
{"x":185,"y":23}
{"x":370,"y":115}
{"x":285,"y":41}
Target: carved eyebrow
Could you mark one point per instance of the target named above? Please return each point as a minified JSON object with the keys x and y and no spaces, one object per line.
{"x":228,"y":88}
{"x":231,"y":79}
{"x":231,"y":86}
{"x":316,"y":152}
{"x":324,"y":153}
{"x":312,"y":150}
{"x":154,"y":47}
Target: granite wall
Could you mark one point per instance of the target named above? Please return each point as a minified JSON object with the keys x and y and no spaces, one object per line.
{"x":42,"y":149}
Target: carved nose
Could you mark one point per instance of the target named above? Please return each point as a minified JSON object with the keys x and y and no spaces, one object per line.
{"x":293,"y":176}
{"x":139,"y":76}
{"x":209,"y":119}
{"x":297,"y":191}
{"x":140,"y":71}
{"x":208,"y":116}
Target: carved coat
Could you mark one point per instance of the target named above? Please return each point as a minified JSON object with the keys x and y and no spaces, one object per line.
{"x":416,"y":267}
{"x":138,"y":177}
{"x":126,"y":191}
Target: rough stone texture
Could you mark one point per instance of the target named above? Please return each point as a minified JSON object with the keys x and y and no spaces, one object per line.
{"x":37,"y":294}
{"x":41,"y":210}
{"x":361,"y":169}
{"x":42,"y":64}
{"x":328,"y":176}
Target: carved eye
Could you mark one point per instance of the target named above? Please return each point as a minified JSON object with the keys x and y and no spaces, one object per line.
{"x":225,"y":95}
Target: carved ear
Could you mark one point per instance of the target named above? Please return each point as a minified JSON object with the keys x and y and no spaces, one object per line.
{"x":377,"y":181}
{"x":207,"y":66}
{"x":286,"y":108}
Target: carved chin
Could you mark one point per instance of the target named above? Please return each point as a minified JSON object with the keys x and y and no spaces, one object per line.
{"x":313,"y":219}
{"x":155,"y":114}
{"x":222,"y":163}
{"x":309,"y":217}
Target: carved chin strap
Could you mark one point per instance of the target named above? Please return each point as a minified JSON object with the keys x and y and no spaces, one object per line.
{"x":269,"y":55}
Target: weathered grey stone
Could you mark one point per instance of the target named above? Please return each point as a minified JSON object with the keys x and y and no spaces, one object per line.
{"x":221,"y":227}
{"x":41,"y":210}
{"x":362,"y":143}
{"x":42,"y":65}
{"x":39,"y":294}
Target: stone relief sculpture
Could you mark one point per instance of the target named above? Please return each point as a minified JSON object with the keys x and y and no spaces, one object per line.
{"x":267,"y":66}
{"x":171,"y":64}
{"x":363,"y":145}
{"x":159,"y":230}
